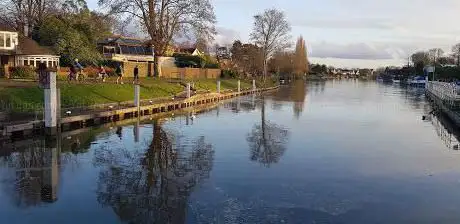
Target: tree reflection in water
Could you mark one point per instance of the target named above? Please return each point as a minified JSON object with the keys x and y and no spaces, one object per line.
{"x":295,"y":93}
{"x":33,"y":173}
{"x":153,"y":186}
{"x":298,"y":95}
{"x":267,"y":141}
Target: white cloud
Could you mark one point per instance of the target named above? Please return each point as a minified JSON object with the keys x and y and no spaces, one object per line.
{"x":349,"y":51}
{"x":225,"y":36}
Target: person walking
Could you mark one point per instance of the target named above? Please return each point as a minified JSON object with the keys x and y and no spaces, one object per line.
{"x":136,"y":75}
{"x":119,"y":72}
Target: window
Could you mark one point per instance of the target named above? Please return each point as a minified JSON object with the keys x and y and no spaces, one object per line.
{"x":2,"y":39}
{"x":8,"y":40}
{"x":140,"y":50}
{"x":148,"y":51}
{"x":125,"y":50}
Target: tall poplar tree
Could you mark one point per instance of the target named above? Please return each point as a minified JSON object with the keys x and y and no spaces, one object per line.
{"x":301,"y":65}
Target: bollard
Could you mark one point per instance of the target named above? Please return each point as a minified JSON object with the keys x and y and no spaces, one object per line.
{"x":239,"y":86}
{"x":50,"y":103}
{"x":253,"y":85}
{"x":188,"y":90}
{"x":50,"y":173}
{"x":136,"y":130}
{"x":137,"y":97}
{"x":218,"y":86}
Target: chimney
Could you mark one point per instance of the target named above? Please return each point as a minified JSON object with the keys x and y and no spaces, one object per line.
{"x":26,"y":30}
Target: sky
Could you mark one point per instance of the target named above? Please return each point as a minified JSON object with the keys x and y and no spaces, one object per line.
{"x":350,"y":33}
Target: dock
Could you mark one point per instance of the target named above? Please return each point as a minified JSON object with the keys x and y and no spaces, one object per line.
{"x":446,"y":98}
{"x":112,"y":114}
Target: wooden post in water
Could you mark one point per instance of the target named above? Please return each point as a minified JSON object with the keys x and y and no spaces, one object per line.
{"x":50,"y":169}
{"x":253,"y":85}
{"x":188,"y":90}
{"x":218,"y":86}
{"x":239,"y":86}
{"x":137,"y":97}
{"x":48,"y":82}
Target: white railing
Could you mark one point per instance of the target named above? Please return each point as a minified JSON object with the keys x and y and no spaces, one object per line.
{"x":444,"y":90}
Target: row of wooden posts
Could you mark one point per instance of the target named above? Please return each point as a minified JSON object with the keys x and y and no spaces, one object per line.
{"x":52,"y":100}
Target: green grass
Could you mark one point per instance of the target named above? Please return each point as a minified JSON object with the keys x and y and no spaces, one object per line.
{"x":29,"y":99}
{"x":225,"y":84}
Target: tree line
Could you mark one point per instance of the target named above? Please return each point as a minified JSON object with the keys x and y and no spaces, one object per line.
{"x":72,"y":30}
{"x":447,"y":64}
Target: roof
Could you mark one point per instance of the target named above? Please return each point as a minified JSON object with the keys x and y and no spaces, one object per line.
{"x":27,"y":46}
{"x":118,"y":39}
{"x":187,"y":50}
{"x":6,"y":27}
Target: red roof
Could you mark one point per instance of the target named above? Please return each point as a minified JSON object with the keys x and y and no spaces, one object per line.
{"x":27,"y":46}
{"x":6,"y":27}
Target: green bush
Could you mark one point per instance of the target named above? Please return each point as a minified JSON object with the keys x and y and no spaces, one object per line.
{"x":23,"y":72}
{"x":183,"y":61}
{"x":229,"y":74}
{"x":186,"y":61}
{"x":214,"y":65}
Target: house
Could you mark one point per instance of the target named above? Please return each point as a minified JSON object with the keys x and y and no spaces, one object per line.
{"x":129,"y":52}
{"x":190,"y":51}
{"x":18,"y":50}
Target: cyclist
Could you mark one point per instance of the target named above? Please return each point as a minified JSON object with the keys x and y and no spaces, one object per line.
{"x":102,"y":74}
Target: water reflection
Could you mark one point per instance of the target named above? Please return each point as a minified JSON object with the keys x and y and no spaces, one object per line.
{"x":296,"y":93}
{"x":267,"y":140}
{"x":32,"y":174}
{"x":153,"y":186}
{"x":447,"y":131}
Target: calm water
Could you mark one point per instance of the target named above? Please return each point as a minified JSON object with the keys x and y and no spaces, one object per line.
{"x":331,"y":152}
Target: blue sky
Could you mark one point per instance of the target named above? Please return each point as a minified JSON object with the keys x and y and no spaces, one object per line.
{"x":351,"y":33}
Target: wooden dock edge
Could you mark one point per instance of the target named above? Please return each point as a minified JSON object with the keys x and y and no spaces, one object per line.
{"x":72,"y":123}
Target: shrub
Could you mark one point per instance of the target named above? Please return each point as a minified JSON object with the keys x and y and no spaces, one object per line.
{"x":212,"y":65}
{"x":23,"y":72}
{"x":229,"y":74}
{"x":183,"y":61}
{"x":91,"y":71}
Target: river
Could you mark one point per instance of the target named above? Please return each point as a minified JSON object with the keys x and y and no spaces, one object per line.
{"x":339,"y":151}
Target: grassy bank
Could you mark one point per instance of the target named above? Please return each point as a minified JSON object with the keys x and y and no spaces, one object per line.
{"x":30,"y":99}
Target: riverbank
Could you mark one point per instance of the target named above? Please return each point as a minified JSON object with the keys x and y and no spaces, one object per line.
{"x":17,"y":97}
{"x":97,"y":116}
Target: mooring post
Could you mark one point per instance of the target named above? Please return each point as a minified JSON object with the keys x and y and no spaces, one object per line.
{"x":239,"y":86}
{"x":188,"y":90}
{"x":136,"y":130}
{"x":49,"y":83}
{"x":137,"y":97}
{"x":218,"y":86}
{"x":50,"y":178}
{"x":253,"y":85}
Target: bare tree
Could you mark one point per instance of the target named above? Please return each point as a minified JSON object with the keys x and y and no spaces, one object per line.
{"x":271,"y":31}
{"x":24,"y":15}
{"x":435,"y":54}
{"x":456,"y":53}
{"x":163,"y":20}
